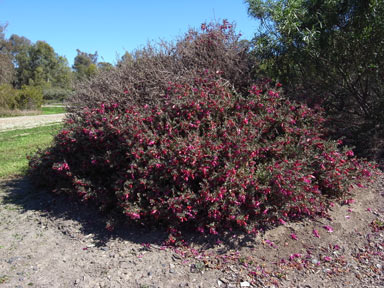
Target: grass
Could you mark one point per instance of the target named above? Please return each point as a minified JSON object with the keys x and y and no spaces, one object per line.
{"x":16,"y":144}
{"x":52,"y":110}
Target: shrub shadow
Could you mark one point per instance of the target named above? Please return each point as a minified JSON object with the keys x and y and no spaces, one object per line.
{"x":21,"y":192}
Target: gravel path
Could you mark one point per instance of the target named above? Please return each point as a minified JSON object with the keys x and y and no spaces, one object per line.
{"x":11,"y":123}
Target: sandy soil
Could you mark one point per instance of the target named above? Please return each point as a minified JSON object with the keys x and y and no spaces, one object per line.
{"x":52,"y":241}
{"x":11,"y":123}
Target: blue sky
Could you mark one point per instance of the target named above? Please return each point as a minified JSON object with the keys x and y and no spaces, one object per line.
{"x":112,"y":27}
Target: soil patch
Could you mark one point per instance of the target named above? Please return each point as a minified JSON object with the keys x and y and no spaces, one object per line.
{"x":52,"y":241}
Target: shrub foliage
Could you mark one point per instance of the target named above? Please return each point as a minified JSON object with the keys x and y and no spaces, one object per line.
{"x":29,"y":97}
{"x":205,"y":158}
{"x":147,"y":73}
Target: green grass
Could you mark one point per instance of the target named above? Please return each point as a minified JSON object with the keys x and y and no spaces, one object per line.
{"x":52,"y":110}
{"x":16,"y":144}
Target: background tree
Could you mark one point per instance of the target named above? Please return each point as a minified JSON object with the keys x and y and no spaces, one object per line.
{"x":85,"y":65}
{"x":127,"y":58}
{"x":330,"y":53}
{"x":6,"y":65}
{"x":104,"y":66}
{"x":18,"y":44}
{"x":39,"y":65}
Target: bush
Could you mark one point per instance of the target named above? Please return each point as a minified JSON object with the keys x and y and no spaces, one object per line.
{"x":56,"y":94}
{"x":8,"y":97}
{"x":29,"y":97}
{"x":145,"y":75}
{"x":204,"y":157}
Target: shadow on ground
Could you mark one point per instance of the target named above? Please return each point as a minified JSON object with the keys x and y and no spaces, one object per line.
{"x":19,"y":191}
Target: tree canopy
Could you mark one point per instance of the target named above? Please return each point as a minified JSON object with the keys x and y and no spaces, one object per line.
{"x":39,"y":65}
{"x":24,"y":63}
{"x":6,"y":66}
{"x":330,"y":53}
{"x":85,"y":65}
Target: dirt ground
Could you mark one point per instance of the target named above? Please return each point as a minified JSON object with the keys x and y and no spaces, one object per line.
{"x":11,"y":123}
{"x":51,"y":241}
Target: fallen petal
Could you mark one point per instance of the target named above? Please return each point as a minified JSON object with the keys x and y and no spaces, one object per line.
{"x":329,"y":228}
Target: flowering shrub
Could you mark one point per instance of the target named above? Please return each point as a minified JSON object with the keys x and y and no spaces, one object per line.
{"x":146,"y":74}
{"x":204,"y":158}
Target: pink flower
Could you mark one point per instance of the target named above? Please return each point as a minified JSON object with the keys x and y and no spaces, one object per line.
{"x":201,"y":230}
{"x":133,"y":215}
{"x":316,"y":233}
{"x":327,"y":258}
{"x":350,"y":153}
{"x":212,"y":231}
{"x":293,"y":256}
{"x":349,"y":201}
{"x":366,"y":173}
{"x":293,"y":236}
{"x":329,"y":228}
{"x":282,"y":221}
{"x":270,"y":243}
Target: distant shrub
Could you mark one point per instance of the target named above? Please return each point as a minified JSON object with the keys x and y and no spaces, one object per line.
{"x":204,"y":157}
{"x":29,"y":97}
{"x":56,"y":94}
{"x":8,"y":97}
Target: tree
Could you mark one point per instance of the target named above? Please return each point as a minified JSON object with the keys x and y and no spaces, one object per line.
{"x":18,"y":44}
{"x":6,"y":65}
{"x":39,"y":65}
{"x":104,"y":66}
{"x":331,"y":53}
{"x":85,"y":65}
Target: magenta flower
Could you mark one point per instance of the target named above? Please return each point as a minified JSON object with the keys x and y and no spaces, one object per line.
{"x":349,"y":201}
{"x":282,"y":221}
{"x":350,"y":153}
{"x":293,"y":236}
{"x":328,"y":228}
{"x":316,"y":233}
{"x":293,"y":256}
{"x":336,"y":247}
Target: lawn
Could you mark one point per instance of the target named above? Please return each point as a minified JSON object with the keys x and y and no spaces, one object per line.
{"x":53,"y":110}
{"x":16,"y":144}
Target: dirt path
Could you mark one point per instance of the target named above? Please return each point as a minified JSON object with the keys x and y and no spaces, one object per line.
{"x":51,"y":241}
{"x":11,"y":123}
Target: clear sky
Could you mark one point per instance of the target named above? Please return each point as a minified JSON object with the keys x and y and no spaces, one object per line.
{"x":112,"y":27}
